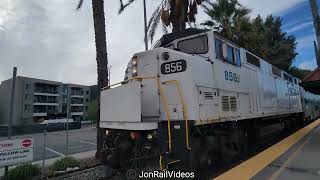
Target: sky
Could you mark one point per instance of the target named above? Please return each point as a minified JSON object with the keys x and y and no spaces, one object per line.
{"x":49,"y":39}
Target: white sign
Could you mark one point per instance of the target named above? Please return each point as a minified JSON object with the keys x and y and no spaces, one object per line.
{"x":16,"y":151}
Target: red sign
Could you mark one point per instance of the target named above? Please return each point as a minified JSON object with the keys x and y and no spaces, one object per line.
{"x":26,"y":143}
{"x":6,"y":145}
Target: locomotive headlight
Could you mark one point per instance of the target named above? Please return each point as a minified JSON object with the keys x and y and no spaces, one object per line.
{"x":134,"y":72}
{"x":149,"y":137}
{"x":134,"y":63}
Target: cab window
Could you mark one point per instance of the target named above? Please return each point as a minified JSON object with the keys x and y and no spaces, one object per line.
{"x":230,"y":55}
{"x":197,"y":45}
{"x":238,"y":59}
{"x":219,"y":51}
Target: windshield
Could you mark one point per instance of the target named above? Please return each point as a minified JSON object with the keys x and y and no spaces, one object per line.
{"x":197,"y":45}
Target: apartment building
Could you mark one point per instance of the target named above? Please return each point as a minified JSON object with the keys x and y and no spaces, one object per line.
{"x":37,"y":100}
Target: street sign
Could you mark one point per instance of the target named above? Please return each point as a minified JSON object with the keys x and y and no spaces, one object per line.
{"x":16,"y":151}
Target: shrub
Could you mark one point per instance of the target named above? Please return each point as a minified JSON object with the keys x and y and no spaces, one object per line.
{"x":24,"y":171}
{"x":64,"y":163}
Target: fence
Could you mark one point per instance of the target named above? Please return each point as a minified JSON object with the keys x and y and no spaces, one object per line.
{"x":38,"y":128}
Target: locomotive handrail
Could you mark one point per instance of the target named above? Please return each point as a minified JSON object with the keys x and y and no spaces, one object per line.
{"x":134,"y":78}
{"x":165,"y":104}
{"x":184,"y":109}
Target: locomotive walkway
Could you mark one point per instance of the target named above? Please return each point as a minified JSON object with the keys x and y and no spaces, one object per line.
{"x":295,"y":157}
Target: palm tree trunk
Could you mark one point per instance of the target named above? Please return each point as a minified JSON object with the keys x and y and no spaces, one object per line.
{"x":178,"y":14}
{"x":102,"y":61}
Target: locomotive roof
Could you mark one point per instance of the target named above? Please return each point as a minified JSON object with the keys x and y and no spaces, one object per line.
{"x":167,"y":38}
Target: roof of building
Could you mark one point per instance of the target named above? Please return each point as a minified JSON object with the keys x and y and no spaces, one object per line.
{"x":311,"y":82}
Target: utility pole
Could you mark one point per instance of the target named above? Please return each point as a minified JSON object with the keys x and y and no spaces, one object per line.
{"x":316,"y":22}
{"x":13,"y":88}
{"x":145,"y":25}
{"x":67,"y":125}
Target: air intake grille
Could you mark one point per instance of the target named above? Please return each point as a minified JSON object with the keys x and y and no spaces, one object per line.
{"x":208,"y":95}
{"x":225,"y":103}
{"x":233,"y":103}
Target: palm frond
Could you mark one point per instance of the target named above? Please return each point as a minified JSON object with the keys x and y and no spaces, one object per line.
{"x":80,"y":3}
{"x":208,"y":23}
{"x":124,"y":6}
{"x":164,"y":29}
{"x":153,"y":27}
{"x":155,"y":13}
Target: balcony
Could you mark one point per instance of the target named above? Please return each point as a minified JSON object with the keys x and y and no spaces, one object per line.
{"x":45,"y":104}
{"x":76,"y":96}
{"x":39,"y":114}
{"x":45,"y":94}
{"x":41,"y":89}
{"x":76,"y":104}
{"x":76,"y":113}
{"x":76,"y":92}
{"x":45,"y":101}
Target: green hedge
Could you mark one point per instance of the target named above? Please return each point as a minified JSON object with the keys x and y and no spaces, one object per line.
{"x":64,"y":163}
{"x":24,"y":171}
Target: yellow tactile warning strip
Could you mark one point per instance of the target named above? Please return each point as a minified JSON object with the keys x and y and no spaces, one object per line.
{"x":251,"y":167}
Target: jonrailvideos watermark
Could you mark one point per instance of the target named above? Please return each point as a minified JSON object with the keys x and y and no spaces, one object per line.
{"x":133,"y":174}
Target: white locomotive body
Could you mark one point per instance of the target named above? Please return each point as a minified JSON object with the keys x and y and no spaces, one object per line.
{"x":201,"y":82}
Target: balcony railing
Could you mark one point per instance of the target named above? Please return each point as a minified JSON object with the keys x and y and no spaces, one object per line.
{"x":50,"y":91}
{"x":35,"y":114}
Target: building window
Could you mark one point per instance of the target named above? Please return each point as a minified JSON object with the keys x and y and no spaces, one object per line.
{"x":64,"y":108}
{"x":65,"y":99}
{"x":87,"y":100}
{"x":87,"y":92}
{"x":27,"y":97}
{"x":27,"y":108}
{"x":27,"y":86}
{"x":65,"y":89}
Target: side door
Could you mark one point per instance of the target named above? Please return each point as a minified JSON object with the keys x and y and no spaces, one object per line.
{"x":208,"y":103}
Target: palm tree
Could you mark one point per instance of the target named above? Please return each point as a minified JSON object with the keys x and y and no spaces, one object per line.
{"x":171,"y":12}
{"x":230,"y":15}
{"x":101,"y":58}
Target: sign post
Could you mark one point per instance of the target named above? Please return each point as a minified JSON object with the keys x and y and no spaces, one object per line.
{"x":44,"y":152}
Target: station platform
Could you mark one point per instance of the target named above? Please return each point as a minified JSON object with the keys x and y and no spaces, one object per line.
{"x":296,"y":157}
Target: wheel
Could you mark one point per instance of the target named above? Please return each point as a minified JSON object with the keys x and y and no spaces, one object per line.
{"x":199,"y":159}
{"x":234,"y":145}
